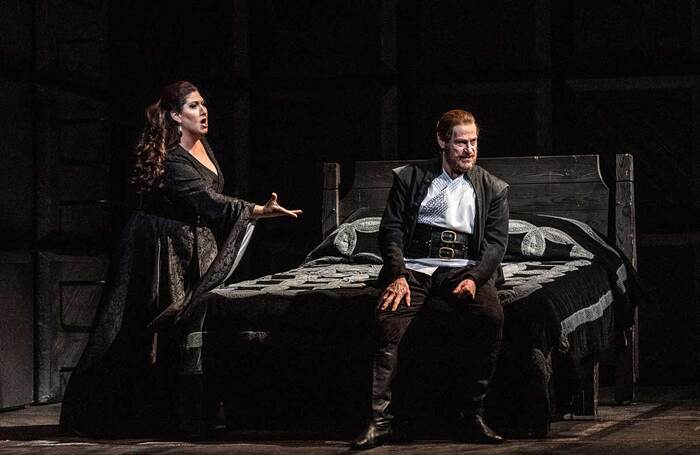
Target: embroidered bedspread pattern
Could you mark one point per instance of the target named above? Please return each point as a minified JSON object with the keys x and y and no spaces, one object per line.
{"x":305,"y":279}
{"x":522,"y":280}
{"x":573,"y":299}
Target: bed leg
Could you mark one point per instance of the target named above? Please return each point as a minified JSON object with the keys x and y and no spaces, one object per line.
{"x":626,"y":364}
{"x":586,"y":405}
{"x":590,"y":388}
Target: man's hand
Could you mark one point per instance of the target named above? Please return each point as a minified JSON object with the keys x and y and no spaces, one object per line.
{"x":394,"y":293}
{"x":466,"y":289}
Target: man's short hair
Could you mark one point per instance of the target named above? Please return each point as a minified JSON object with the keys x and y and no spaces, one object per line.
{"x":452,"y":118}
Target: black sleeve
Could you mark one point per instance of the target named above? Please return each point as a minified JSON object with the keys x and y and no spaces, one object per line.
{"x":391,"y":235}
{"x":187,"y":187}
{"x":495,"y":237}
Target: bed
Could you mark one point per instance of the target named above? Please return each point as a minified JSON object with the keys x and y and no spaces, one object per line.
{"x":292,"y":350}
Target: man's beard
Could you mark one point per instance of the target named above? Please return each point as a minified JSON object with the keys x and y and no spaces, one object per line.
{"x":459,"y":166}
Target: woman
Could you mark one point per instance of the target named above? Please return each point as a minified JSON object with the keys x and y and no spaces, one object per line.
{"x":141,"y":370}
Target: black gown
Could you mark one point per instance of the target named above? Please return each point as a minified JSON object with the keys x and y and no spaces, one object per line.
{"x":147,"y":337}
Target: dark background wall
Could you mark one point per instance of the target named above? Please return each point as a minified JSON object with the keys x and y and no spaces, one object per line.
{"x":291,"y":84}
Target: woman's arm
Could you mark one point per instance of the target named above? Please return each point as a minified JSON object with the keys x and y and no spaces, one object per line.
{"x":186,"y":186}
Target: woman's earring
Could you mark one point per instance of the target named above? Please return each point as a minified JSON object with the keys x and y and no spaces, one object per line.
{"x":179,"y":129}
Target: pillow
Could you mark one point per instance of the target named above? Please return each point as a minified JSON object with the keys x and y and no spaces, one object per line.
{"x":542,"y":237}
{"x":355,"y":241}
{"x":549,"y":237}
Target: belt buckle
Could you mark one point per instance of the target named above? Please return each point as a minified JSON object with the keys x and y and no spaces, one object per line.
{"x":448,"y":236}
{"x":445,"y":252}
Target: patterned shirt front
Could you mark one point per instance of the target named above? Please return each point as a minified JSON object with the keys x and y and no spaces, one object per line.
{"x":449,"y":204}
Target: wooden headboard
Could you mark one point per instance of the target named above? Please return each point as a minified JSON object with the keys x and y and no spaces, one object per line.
{"x":571,"y":186}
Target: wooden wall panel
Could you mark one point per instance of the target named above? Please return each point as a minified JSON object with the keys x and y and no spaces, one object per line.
{"x":17,"y":171}
{"x":68,"y":291}
{"x":16,"y":329}
{"x":70,"y":42}
{"x":71,"y":178}
{"x":84,"y":140}
{"x":295,"y":39}
{"x":78,"y":301}
{"x":294,"y":132}
{"x":458,"y":39}
{"x":667,"y":322}
{"x":297,"y":128}
{"x":627,"y":35}
{"x":652,"y":119}
{"x":73,"y":169}
{"x":16,"y":36}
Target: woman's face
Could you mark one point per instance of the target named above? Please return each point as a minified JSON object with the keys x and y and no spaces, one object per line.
{"x":194,"y":116}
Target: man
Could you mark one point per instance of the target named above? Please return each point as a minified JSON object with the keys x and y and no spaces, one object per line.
{"x":444,"y":232}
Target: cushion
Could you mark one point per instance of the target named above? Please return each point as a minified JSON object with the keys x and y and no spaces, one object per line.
{"x":547,"y":237}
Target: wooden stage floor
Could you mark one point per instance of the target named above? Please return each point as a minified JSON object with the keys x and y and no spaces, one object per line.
{"x":662,"y":421}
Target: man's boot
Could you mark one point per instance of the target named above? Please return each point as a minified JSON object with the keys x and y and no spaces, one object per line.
{"x":379,"y":429}
{"x":473,"y":427}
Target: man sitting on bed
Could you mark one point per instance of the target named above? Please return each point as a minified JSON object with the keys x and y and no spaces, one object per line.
{"x":444,"y":232}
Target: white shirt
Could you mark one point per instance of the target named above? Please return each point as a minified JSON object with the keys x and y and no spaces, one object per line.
{"x":449,"y":204}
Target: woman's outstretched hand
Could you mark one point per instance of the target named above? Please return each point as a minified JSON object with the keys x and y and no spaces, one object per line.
{"x":272,"y":209}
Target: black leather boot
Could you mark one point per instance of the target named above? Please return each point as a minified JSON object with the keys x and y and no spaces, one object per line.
{"x":376,"y":434}
{"x":379,"y":429}
{"x":473,"y":428}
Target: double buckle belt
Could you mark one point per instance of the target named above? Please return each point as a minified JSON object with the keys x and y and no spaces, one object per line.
{"x":434,"y":242}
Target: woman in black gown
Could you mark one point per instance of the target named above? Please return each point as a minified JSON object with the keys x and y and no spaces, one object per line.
{"x":141,"y":370}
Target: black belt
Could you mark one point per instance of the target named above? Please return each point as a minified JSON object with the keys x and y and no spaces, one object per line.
{"x":435,"y":242}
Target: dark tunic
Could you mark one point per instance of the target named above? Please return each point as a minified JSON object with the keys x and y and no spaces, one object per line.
{"x":181,"y":243}
{"x":400,"y":216}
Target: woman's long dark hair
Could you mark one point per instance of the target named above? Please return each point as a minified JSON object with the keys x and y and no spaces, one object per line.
{"x":159,"y":135}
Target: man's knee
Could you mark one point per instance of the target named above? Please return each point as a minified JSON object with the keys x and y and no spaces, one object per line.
{"x":493,"y":316}
{"x":486,"y":309}
{"x":391,"y":326}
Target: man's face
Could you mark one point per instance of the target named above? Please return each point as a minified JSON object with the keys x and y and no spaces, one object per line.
{"x":460,"y":152}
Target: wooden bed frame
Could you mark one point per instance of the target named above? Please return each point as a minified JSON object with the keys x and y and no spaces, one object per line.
{"x":571,"y":186}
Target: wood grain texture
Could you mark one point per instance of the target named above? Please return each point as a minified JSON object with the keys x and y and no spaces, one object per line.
{"x":590,"y":385}
{"x":16,"y":328}
{"x":329,"y":214}
{"x":587,"y":202}
{"x":624,"y":167}
{"x":545,"y":169}
{"x":568,"y":186}
{"x":373,"y":199}
{"x":625,"y":216}
{"x":59,"y":345}
{"x":330,"y":194}
{"x":627,"y":354}
{"x":331,"y":176}
{"x":514,"y":170}
{"x":78,"y":302}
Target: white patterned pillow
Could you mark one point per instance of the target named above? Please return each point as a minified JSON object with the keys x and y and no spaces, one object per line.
{"x":353,"y":240}
{"x":535,"y":236}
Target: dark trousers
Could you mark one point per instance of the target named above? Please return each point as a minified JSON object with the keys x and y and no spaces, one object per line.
{"x":478,"y":323}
